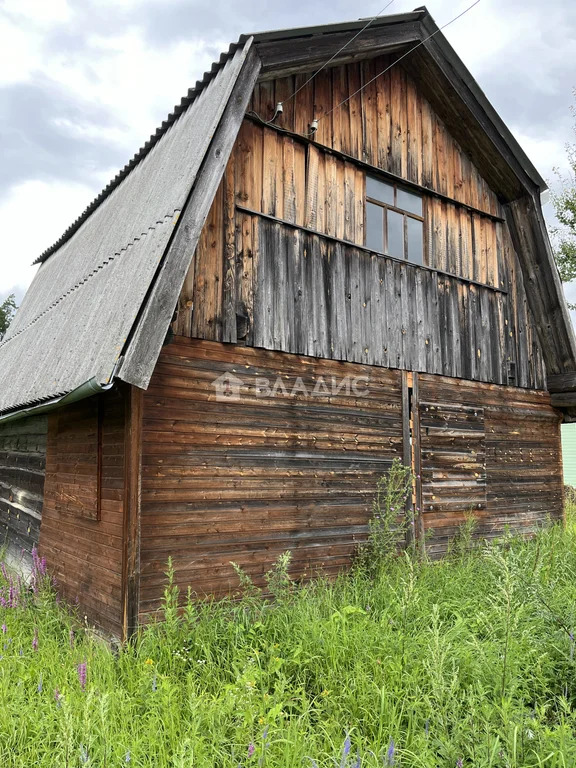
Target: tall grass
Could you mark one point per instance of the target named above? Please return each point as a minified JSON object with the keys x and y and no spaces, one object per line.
{"x":464,"y":662}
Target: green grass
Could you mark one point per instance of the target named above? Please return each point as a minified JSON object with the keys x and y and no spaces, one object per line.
{"x":468,"y":661}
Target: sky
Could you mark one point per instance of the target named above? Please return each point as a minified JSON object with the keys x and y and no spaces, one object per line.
{"x":83,"y":83}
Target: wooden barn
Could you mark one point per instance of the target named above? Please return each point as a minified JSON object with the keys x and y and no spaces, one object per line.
{"x":267,"y":305}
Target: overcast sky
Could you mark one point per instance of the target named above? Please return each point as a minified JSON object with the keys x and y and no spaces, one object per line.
{"x":83,"y":83}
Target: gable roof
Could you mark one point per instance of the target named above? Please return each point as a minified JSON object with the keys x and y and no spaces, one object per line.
{"x":103,"y":298}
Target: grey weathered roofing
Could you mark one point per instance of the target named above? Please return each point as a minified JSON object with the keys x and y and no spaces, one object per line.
{"x":103,"y":297}
{"x":78,"y":312}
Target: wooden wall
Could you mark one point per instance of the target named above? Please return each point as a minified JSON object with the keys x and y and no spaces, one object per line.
{"x":239,"y":477}
{"x":492,"y":451}
{"x":276,"y":266}
{"x":22,"y":466}
{"x":82,"y":524}
{"x":244,"y":480}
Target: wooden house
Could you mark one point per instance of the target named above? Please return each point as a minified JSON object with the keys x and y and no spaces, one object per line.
{"x":267,"y":305}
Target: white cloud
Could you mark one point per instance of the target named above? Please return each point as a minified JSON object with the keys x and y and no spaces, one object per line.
{"x":33,"y":216}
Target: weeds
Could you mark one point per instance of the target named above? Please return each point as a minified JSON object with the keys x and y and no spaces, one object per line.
{"x":463,"y":662}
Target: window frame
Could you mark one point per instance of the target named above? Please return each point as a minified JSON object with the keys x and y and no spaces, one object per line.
{"x":402,"y":212}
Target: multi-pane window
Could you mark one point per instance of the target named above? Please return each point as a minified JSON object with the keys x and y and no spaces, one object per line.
{"x":394,"y":221}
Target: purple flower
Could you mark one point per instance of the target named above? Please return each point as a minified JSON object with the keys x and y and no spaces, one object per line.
{"x":71,"y":638}
{"x":390,"y":753}
{"x":4,"y":629}
{"x":358,"y":762}
{"x":459,"y":763}
{"x":82,"y":669}
{"x":345,"y":751}
{"x":35,"y":641}
{"x":251,"y":749}
{"x":57,"y":697}
{"x":128,"y":757}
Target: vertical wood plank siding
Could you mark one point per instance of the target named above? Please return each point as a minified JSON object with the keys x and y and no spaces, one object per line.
{"x":85,"y":555}
{"x":244,"y":480}
{"x":22,"y":467}
{"x":520,"y":449}
{"x":267,"y":283}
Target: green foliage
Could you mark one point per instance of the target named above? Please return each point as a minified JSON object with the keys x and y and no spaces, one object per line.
{"x":388,"y":524}
{"x":467,"y":661}
{"x":7,"y":311}
{"x":564,"y":235}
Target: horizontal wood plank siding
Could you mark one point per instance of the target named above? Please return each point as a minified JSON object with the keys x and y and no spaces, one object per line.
{"x":85,"y":555}
{"x":246,"y":479}
{"x":22,"y":469}
{"x":521,"y":453}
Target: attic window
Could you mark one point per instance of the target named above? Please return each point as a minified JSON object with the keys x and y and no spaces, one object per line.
{"x":394,"y":221}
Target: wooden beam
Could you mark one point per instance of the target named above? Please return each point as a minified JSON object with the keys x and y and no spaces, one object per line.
{"x":407,"y":456}
{"x":306,"y":53}
{"x":131,"y":523}
{"x":358,"y":247}
{"x":563,"y":399}
{"x":542,"y":284}
{"x":561,"y":382}
{"x":394,"y":177}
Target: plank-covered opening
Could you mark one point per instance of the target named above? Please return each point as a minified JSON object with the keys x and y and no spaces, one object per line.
{"x":76,"y":455}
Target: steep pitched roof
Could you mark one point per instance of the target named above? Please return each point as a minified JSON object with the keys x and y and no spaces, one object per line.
{"x":104,"y":295}
{"x":79,"y":311}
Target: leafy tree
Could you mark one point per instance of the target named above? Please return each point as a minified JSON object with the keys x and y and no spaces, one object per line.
{"x":7,"y":311}
{"x":564,"y":235}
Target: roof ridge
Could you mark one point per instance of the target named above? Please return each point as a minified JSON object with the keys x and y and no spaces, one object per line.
{"x":79,"y":283}
{"x":177,"y":112}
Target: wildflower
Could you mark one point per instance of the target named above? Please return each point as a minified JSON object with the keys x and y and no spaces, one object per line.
{"x":459,"y":763}
{"x":358,"y":762}
{"x":57,"y":697}
{"x":390,"y":753}
{"x":345,"y":751}
{"x":149,"y":662}
{"x":251,"y":749}
{"x":128,"y":757}
{"x":35,"y":640}
{"x":4,"y":629}
{"x":325,"y":692}
{"x":82,"y":669}
{"x":40,"y":684}
{"x":261,"y":721}
{"x":71,"y":638}
{"x":83,"y":754}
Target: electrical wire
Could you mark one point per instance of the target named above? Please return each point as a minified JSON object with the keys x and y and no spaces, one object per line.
{"x":393,"y":64}
{"x":331,"y":59}
{"x":280,"y":104}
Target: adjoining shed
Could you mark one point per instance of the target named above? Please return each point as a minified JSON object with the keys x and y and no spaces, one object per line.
{"x":221,"y":356}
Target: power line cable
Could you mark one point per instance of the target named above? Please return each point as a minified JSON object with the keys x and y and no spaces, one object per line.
{"x":331,"y":59}
{"x":316,"y":121}
{"x":279,"y":106}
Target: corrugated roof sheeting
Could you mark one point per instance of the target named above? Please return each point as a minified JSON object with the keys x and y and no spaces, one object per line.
{"x":81,"y":306}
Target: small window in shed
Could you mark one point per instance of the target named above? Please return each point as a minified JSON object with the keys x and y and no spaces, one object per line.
{"x":394,"y":221}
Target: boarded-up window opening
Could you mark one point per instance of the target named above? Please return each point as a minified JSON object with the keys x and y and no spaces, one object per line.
{"x":453,"y":456}
{"x":78,"y":458}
